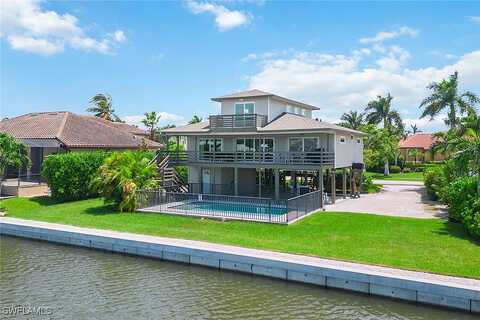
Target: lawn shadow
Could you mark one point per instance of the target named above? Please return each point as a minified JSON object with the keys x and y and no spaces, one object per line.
{"x":457,"y":230}
{"x":45,"y":201}
{"x":102,"y":210}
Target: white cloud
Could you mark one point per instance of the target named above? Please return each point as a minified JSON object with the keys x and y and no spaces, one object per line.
{"x":385,"y":35}
{"x":119,"y":36}
{"x":475,"y":19}
{"x":165,"y":119}
{"x":225,"y":19}
{"x":338,"y":83}
{"x":28,"y":27}
{"x":39,"y":46}
{"x":426,"y":125}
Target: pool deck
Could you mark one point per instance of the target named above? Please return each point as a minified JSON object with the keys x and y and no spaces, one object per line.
{"x":417,"y":287}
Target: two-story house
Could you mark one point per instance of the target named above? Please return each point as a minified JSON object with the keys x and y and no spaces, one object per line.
{"x":264,"y":145}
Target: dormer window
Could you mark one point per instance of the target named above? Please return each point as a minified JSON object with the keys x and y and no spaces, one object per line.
{"x":245,"y":108}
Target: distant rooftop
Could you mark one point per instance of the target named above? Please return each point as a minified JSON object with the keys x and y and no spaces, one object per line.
{"x":258,"y":93}
{"x":418,"y":140}
{"x":75,"y":130}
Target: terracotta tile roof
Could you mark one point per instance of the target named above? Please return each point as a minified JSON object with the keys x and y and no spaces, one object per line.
{"x":74,"y":130}
{"x":418,"y":140}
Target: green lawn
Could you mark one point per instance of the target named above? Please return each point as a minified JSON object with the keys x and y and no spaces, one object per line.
{"x":432,"y":245}
{"x":409,"y":176}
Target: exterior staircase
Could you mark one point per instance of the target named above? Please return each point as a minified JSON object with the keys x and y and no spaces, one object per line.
{"x":170,"y":179}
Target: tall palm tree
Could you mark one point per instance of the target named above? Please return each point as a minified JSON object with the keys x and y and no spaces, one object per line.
{"x":445,"y":96}
{"x":195,"y":119}
{"x":101,"y":105}
{"x":151,"y":121}
{"x":352,"y":120}
{"x":380,"y":111}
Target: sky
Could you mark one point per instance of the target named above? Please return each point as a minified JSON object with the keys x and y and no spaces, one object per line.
{"x":173,"y":57}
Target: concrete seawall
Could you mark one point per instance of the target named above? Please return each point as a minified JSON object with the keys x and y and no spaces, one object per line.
{"x":418,"y":287}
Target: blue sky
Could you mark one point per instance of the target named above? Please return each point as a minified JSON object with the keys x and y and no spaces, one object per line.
{"x":172,"y":57}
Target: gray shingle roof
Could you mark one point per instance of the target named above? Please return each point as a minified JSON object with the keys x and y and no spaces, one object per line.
{"x":258,"y":93}
{"x":286,"y":122}
{"x":74,"y":130}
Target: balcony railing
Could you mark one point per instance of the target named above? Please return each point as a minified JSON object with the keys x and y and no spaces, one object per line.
{"x":237,"y":122}
{"x":310,"y":158}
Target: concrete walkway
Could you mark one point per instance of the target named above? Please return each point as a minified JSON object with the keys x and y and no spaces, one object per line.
{"x":397,"y":198}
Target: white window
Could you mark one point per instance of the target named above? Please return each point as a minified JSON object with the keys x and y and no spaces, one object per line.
{"x":210,"y":145}
{"x":303,"y":112}
{"x":245,"y":108}
{"x":258,"y":145}
{"x":343,"y":139}
{"x":358,"y":140}
{"x":297,"y":110}
{"x":290,"y":109}
{"x":307,"y":144}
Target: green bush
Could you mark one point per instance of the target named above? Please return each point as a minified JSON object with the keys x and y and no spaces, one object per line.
{"x":395,"y":169}
{"x":123,"y":174}
{"x":69,"y":175}
{"x":458,"y":194}
{"x":471,"y":216}
{"x":406,"y":170}
{"x":435,"y":181}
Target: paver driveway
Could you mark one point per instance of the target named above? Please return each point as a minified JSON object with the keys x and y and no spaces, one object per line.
{"x":397,"y":198}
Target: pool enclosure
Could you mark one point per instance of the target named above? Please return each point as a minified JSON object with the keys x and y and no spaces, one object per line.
{"x":229,"y":207}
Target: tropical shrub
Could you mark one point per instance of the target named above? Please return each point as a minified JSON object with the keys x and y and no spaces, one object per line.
{"x":12,"y":153}
{"x":368,"y":186}
{"x":457,"y":195}
{"x":406,"y":170}
{"x":435,"y":181}
{"x":471,"y":216}
{"x":69,"y":175}
{"x":123,"y":174}
{"x":395,"y":169}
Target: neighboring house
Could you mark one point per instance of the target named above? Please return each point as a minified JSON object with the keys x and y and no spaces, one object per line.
{"x":264,"y":145}
{"x":423,"y":143}
{"x":52,"y":132}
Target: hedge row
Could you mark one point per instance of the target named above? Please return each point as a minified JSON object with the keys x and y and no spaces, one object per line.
{"x":70,"y":175}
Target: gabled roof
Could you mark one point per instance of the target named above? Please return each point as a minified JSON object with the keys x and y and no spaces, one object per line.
{"x":74,"y":130}
{"x":418,"y":140}
{"x":286,"y":122}
{"x":258,"y":93}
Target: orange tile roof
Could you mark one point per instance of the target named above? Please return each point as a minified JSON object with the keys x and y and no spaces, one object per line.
{"x":74,"y":130}
{"x":418,"y":140}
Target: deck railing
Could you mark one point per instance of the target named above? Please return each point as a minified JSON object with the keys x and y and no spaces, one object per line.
{"x":229,"y":207}
{"x":274,"y":158}
{"x":237,"y":122}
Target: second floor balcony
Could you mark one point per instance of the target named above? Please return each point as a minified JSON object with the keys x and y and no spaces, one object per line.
{"x":276,"y":158}
{"x":237,"y":122}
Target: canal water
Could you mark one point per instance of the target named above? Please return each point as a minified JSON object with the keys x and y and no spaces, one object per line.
{"x":73,"y":283}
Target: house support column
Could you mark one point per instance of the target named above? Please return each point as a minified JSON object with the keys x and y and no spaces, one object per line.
{"x":294,"y":178}
{"x":235,"y":181}
{"x":334,"y":191}
{"x":259,"y":183}
{"x":277,"y":184}
{"x":344,"y":182}
{"x":178,"y":146}
{"x":320,"y":186}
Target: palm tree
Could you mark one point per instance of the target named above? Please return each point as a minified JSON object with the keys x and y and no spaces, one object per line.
{"x":380,"y":111}
{"x":413,"y":153}
{"x":151,"y":121}
{"x":467,"y":143}
{"x":101,"y":105}
{"x":445,"y":96}
{"x":352,"y":119}
{"x":195,"y":119}
{"x":415,"y":128}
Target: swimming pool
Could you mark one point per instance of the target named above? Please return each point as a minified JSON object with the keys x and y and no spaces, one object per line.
{"x":230,"y":207}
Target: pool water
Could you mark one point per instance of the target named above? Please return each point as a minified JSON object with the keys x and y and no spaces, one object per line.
{"x":232,"y":207}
